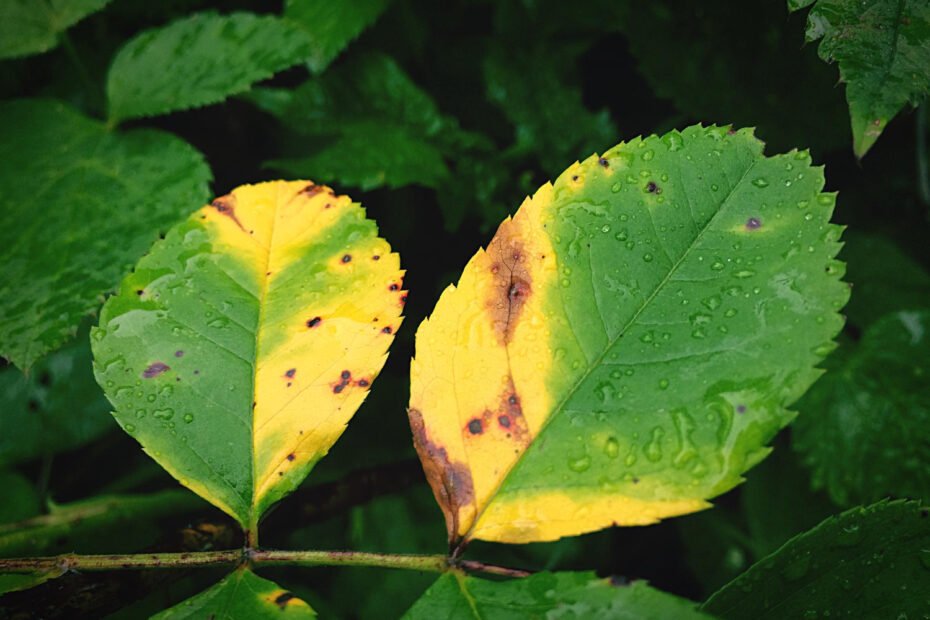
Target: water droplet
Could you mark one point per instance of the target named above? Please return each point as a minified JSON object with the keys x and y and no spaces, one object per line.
{"x":699,"y":333}
{"x":163,"y":414}
{"x":623,"y":235}
{"x":616,"y":187}
{"x":219,"y":322}
{"x":760,"y":182}
{"x":130,"y":428}
{"x":648,"y":155}
{"x":612,"y":448}
{"x":647,"y":257}
{"x":653,"y":449}
{"x":712,"y":302}
{"x":744,"y":273}
{"x":730,"y":312}
{"x":580,"y":464}
{"x":673,"y":141}
{"x":648,"y":336}
{"x":717,"y":265}
{"x":663,"y":384}
{"x":188,"y":417}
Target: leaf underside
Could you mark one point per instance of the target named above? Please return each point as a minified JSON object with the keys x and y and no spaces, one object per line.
{"x":241,"y":345}
{"x":630,"y":340}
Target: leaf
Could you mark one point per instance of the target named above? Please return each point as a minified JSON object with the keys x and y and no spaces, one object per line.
{"x":549,"y":595}
{"x":862,"y":428}
{"x":332,"y":25}
{"x":371,"y":126}
{"x":12,"y":582}
{"x":696,"y":59}
{"x":865,"y":563}
{"x":242,"y":344}
{"x":80,"y":205}
{"x":34,"y":26}
{"x":243,"y":594}
{"x":629,"y":341}
{"x":371,"y":157}
{"x":885,"y":279}
{"x":20,"y":499}
{"x":883,"y":51}
{"x":83,"y":525}
{"x":57,"y":407}
{"x":200,"y":60}
{"x":560,"y":128}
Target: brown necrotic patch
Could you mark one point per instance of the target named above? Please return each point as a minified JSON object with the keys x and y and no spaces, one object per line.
{"x":345,"y":377}
{"x":312,"y":189}
{"x":505,"y":418}
{"x":226,"y":205}
{"x":451,"y":482}
{"x":154,"y":369}
{"x":283,"y":599}
{"x":512,"y":280}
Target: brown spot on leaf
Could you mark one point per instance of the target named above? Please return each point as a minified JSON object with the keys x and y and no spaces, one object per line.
{"x":344,"y":379}
{"x":387,"y":330}
{"x":394,"y":287}
{"x":312,"y":190}
{"x":451,"y":482}
{"x":346,"y":258}
{"x":512,"y":280}
{"x":179,"y":353}
{"x":226,"y":205}
{"x":363,"y":383}
{"x":603,"y":162}
{"x":314,"y":321}
{"x":155,"y":369}
{"x":291,"y":456}
{"x":475,"y":427}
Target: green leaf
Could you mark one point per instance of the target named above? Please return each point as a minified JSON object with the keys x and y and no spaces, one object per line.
{"x":865,"y":563}
{"x":57,"y":407}
{"x":33,"y":26}
{"x":884,"y":279}
{"x":557,"y":127}
{"x":630,"y":340}
{"x":103,"y":523}
{"x":243,"y":343}
{"x":698,"y":60}
{"x":200,"y":60}
{"x":370,"y":126}
{"x":883,"y":51}
{"x":549,"y":595}
{"x":863,"y":425}
{"x":12,"y":582}
{"x":371,"y":157}
{"x":332,"y":25}
{"x":78,"y":207}
{"x":20,"y":499}
{"x":243,"y":594}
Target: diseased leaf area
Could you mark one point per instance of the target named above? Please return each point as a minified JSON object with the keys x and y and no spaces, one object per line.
{"x":79,"y":206}
{"x":244,"y":341}
{"x":198,"y":61}
{"x":840,"y":568}
{"x":629,"y":342}
{"x":862,"y":425}
{"x":548,"y":595}
{"x":882,"y":48}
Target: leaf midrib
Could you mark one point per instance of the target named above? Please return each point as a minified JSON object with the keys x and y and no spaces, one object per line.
{"x":610,"y":343}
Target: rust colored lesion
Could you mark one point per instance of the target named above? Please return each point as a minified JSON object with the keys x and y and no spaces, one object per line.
{"x":505,"y":419}
{"x":312,"y":189}
{"x":512,"y":280}
{"x":451,"y":482}
{"x":226,"y":205}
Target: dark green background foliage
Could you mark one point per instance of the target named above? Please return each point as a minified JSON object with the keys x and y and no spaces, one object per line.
{"x":440,"y":118}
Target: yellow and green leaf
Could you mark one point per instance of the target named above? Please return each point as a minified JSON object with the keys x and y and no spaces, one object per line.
{"x":243,"y":594}
{"x":241,"y":345}
{"x":630,"y":340}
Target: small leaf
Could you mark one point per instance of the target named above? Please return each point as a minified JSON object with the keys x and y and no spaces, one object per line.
{"x":865,"y":563}
{"x":549,"y":595}
{"x":332,"y":25}
{"x":863,"y":425}
{"x":57,"y":407}
{"x":200,"y":60}
{"x":23,"y":580}
{"x":629,"y":341}
{"x":33,"y":26}
{"x":242,"y":344}
{"x":883,"y":50}
{"x":80,"y":205}
{"x":243,"y":594}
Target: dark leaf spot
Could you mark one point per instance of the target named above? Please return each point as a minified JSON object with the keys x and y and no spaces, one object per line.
{"x":290,"y":373}
{"x":314,"y":321}
{"x":603,"y":162}
{"x":394,"y":287}
{"x":345,"y":374}
{"x":346,"y":258}
{"x":475,"y":427}
{"x":155,"y":369}
{"x":753,"y":223}
{"x":387,"y":330}
{"x":376,"y":257}
{"x":363,"y":382}
{"x":291,"y":456}
{"x":179,"y":353}
{"x":504,"y":421}
{"x":741,"y":408}
{"x":652,"y":188}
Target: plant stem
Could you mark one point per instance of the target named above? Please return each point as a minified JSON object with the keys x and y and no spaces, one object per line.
{"x":234,"y":557}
